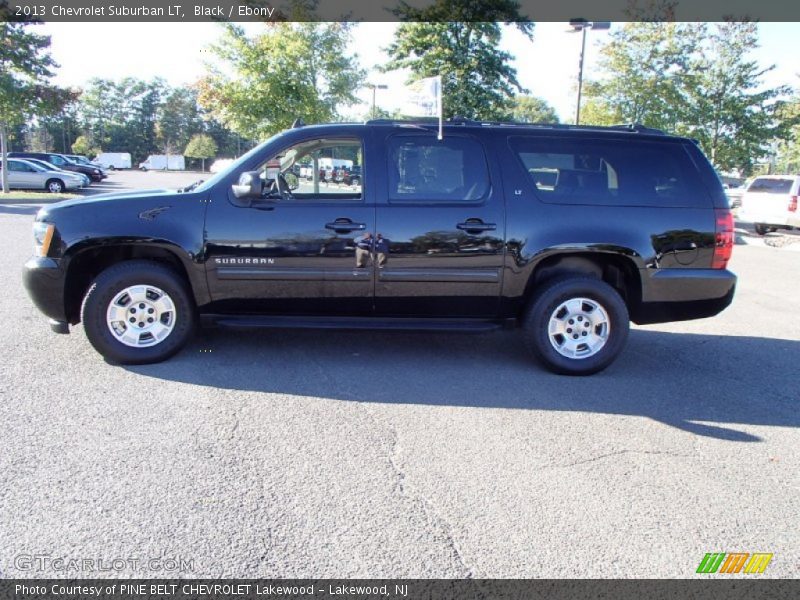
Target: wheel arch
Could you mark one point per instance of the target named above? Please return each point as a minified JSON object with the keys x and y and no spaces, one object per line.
{"x":618,"y":270}
{"x":85,"y":264}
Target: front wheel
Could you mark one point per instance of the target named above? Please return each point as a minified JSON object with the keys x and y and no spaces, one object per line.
{"x":55,"y":186}
{"x":138,"y":312}
{"x":576,"y":325}
{"x":761,"y":228}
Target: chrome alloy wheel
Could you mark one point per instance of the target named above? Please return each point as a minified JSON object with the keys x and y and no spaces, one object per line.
{"x":141,"y":316}
{"x":579,"y":328}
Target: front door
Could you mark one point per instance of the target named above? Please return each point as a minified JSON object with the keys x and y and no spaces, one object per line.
{"x":299,"y":248}
{"x":439,"y":237}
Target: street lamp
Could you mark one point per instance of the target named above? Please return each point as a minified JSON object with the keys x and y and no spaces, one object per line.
{"x":582,"y":25}
{"x":374,"y":87}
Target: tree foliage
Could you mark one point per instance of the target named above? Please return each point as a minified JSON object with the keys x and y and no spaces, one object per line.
{"x":201,"y":146}
{"x":478,"y":80}
{"x":25,"y":68}
{"x":530,"y":109}
{"x":292,"y":70}
{"x":692,"y":79}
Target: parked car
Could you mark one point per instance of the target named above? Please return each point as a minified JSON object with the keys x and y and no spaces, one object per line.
{"x":81,"y":160}
{"x":62,"y":162}
{"x":770,"y":203}
{"x":114,"y":160}
{"x":456,"y":235}
{"x":49,"y":167}
{"x":349,"y":176}
{"x":162,"y":162}
{"x":24,"y":175}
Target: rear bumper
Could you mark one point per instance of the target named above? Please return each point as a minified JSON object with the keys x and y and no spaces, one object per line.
{"x":44,"y":280}
{"x":684,"y":294}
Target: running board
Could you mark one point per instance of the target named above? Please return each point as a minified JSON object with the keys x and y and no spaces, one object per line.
{"x":371,"y":323}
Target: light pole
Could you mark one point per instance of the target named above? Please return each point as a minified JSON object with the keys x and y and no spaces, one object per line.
{"x":374,"y":87}
{"x":582,"y":25}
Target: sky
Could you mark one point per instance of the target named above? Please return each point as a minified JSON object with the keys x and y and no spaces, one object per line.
{"x":547,"y":67}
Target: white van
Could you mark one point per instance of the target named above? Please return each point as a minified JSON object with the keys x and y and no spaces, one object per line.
{"x":770,"y":202}
{"x":159,"y":162}
{"x":114,"y":160}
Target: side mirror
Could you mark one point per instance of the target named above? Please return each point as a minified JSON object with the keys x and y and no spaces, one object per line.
{"x":250,"y":185}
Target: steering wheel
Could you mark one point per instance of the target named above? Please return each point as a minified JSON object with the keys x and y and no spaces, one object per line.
{"x":283,"y":187}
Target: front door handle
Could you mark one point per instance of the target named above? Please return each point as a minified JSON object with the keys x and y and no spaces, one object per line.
{"x":476,"y":226}
{"x":345,"y":226}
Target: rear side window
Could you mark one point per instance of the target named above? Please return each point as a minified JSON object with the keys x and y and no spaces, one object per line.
{"x":766,"y":185}
{"x":610,"y":172}
{"x":424,"y":169}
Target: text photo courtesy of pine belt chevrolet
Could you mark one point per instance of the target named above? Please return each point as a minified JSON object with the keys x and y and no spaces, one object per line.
{"x":567,"y":232}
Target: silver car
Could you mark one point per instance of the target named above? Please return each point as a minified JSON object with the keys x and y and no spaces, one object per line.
{"x":24,"y":175}
{"x":51,"y":167}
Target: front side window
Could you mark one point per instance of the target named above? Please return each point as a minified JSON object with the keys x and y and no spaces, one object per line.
{"x":319,"y":169}
{"x":424,"y":169}
{"x":610,"y":172}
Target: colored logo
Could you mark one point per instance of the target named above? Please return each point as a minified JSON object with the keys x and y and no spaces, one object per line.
{"x":734,"y":562}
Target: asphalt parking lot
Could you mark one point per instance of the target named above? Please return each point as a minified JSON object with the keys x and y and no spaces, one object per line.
{"x":336,"y":454}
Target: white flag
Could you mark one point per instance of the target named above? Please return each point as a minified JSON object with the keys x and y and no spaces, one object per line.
{"x":424,"y":99}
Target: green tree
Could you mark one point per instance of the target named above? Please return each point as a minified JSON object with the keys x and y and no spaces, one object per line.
{"x":177,"y":120}
{"x":731,"y":113}
{"x":292,"y":70}
{"x":645,"y":66}
{"x":478,"y":80}
{"x":788,"y":148}
{"x":82,"y":145}
{"x":201,"y":146}
{"x":530,"y":109}
{"x":25,"y":67}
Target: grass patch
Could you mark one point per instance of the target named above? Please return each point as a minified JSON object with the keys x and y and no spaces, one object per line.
{"x":16,"y":195}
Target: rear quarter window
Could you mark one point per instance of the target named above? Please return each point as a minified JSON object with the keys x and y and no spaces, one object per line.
{"x":610,"y":172}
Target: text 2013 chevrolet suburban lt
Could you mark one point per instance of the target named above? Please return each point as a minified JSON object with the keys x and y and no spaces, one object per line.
{"x":567,"y":232}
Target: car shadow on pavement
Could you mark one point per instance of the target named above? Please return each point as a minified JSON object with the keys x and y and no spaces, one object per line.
{"x":701,"y":384}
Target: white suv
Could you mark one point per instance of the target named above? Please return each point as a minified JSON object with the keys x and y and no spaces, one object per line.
{"x":770,"y":202}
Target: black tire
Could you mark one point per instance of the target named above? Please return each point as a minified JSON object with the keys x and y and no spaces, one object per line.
{"x":535,"y":324}
{"x":54,"y":186}
{"x":111,"y":168}
{"x":114,"y":280}
{"x":761,"y":228}
{"x":355,"y":181}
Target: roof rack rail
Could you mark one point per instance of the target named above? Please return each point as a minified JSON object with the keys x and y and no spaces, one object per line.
{"x":459,"y":120}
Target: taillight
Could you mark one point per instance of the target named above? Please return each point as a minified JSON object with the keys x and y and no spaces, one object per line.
{"x":723,"y":238}
{"x":793,"y":204}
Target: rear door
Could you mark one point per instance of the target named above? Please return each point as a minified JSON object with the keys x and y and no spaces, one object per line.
{"x":439,"y":237}
{"x":24,"y":176}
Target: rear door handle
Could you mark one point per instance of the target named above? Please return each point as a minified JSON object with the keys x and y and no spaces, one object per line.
{"x":476,"y":226}
{"x":345,"y":226}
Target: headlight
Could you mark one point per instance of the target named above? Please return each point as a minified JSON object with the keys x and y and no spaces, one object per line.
{"x":97,"y":172}
{"x":42,"y":237}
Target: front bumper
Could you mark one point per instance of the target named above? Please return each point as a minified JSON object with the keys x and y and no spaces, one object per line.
{"x":44,"y":279}
{"x":684,"y":294}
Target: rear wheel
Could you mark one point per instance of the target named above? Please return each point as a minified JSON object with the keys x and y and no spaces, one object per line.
{"x":138,"y":312}
{"x":55,"y":186}
{"x":576,"y":325}
{"x":761,"y":228}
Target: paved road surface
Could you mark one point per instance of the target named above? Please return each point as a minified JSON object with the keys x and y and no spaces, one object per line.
{"x":358,"y":455}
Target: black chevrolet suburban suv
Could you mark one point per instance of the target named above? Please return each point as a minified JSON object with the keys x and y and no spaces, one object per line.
{"x":567,"y":232}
